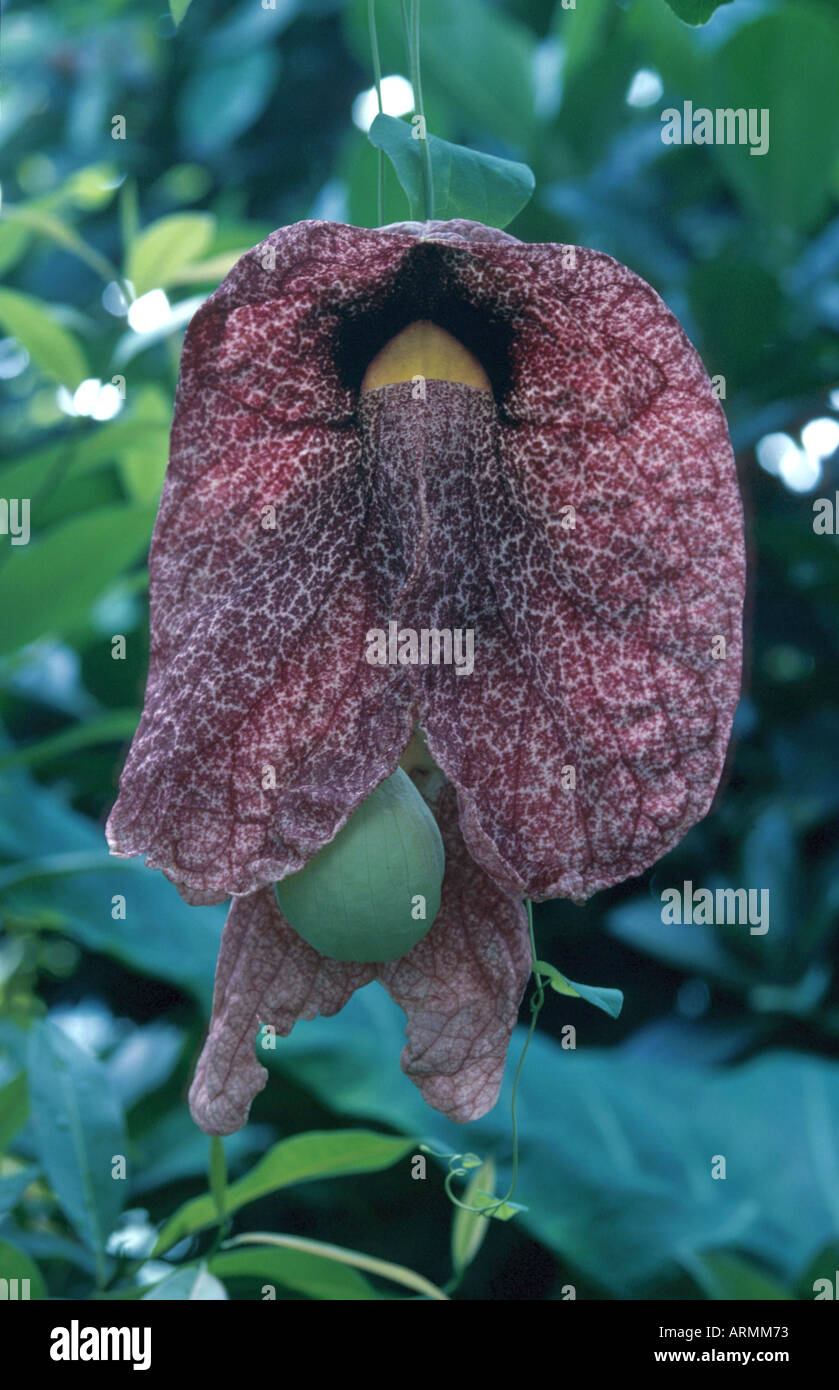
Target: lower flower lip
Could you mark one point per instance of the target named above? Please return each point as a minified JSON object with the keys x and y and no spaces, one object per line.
{"x":460,"y":987}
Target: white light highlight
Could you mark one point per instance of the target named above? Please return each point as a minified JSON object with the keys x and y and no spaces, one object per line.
{"x":821,"y":437}
{"x":64,"y":401}
{"x":86,"y":396}
{"x":108,"y":403}
{"x":771,"y":450}
{"x":547,"y":78}
{"x":114,"y":300}
{"x":800,"y":471}
{"x":149,"y":312}
{"x":397,"y":100}
{"x":645,"y":88}
{"x":14,"y":358}
{"x":91,"y":398}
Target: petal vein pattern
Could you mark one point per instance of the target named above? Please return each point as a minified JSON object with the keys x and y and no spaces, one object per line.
{"x":460,"y":989}
{"x":582,"y":518}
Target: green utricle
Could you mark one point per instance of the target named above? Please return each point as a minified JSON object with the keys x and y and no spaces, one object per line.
{"x":374,"y":891}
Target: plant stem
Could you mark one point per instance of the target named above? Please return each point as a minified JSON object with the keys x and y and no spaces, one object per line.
{"x":377,"y":78}
{"x":536,"y":1002}
{"x":410,"y":29}
{"x":218,"y":1177}
{"x":406,"y":33}
{"x":218,"y":1190}
{"x":416,"y":83}
{"x":397,"y":1273}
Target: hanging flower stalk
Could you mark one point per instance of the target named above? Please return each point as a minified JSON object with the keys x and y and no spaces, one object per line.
{"x":426,"y":428}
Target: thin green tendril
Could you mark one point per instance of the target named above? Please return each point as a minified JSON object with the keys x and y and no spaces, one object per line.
{"x":411,"y":31}
{"x":377,"y":78}
{"x":456,"y":1169}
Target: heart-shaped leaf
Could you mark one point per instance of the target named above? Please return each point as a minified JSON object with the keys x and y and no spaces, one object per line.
{"x":466,"y":183}
{"x":696,"y":11}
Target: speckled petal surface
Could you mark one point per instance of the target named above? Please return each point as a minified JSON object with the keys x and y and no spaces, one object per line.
{"x":461,"y":986}
{"x":265,"y":974}
{"x":460,"y":989}
{"x":597,"y":644}
{"x":591,"y":734}
{"x":257,"y":672}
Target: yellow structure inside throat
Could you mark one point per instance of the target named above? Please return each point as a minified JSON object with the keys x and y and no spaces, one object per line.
{"x":423,"y":349}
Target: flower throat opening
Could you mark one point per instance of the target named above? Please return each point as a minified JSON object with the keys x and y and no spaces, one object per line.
{"x":423,"y":349}
{"x":431,"y":290}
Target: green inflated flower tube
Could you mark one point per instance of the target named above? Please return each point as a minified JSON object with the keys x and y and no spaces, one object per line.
{"x":374,"y":891}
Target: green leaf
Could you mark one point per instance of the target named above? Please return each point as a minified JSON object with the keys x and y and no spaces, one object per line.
{"x":220,"y":99}
{"x":14,"y":239}
{"x":616,"y":1168}
{"x":140,"y":433}
{"x":174,"y":1150}
{"x":696,"y":11}
{"x":211,"y":271}
{"x":723,"y":1275}
{"x":123,"y":1293}
{"x":769,"y":858}
{"x":770,"y":65}
{"x":697,"y":947}
{"x":822,"y":1266}
{"x":49,"y":226}
{"x":609,"y":1000}
{"x":297,"y":1270}
{"x":16,"y":1264}
{"x":320,"y":1154}
{"x":466,"y":183}
{"x":79,"y":1129}
{"x":49,"y":586}
{"x":91,"y":187}
{"x":190,"y":1284}
{"x":14,"y":1107}
{"x":739,"y":308}
{"x":485,"y":59}
{"x":161,"y":251}
{"x":143,"y":466}
{"x":503,"y":1212}
{"x":116,"y":725}
{"x":475,"y":58}
{"x":177,"y":9}
{"x":71,"y":891}
{"x":582,"y":33}
{"x":13,"y":1187}
{"x":46,"y":1246}
{"x":49,"y":345}
{"x":468,"y":1228}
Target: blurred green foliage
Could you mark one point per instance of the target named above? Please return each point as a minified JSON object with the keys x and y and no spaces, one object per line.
{"x":236,"y":122}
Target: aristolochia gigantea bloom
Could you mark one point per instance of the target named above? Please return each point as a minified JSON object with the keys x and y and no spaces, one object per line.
{"x":392,"y":449}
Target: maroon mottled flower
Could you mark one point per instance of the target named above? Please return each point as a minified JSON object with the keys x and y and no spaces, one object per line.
{"x":570,"y":497}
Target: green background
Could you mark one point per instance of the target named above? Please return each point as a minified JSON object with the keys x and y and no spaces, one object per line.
{"x":236,"y":123}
